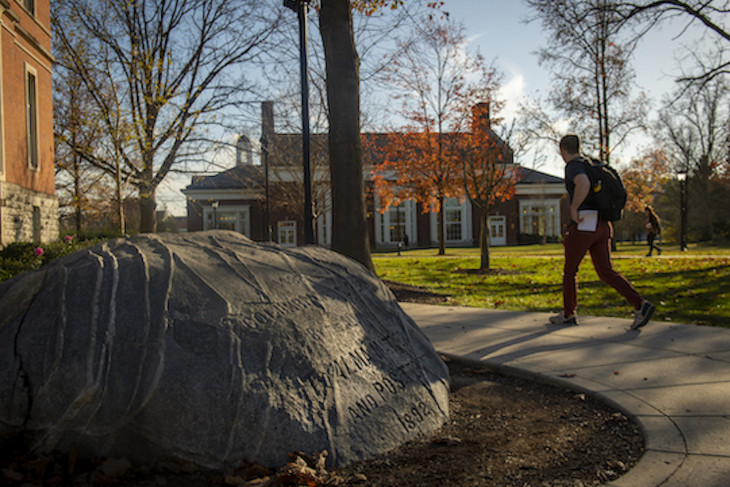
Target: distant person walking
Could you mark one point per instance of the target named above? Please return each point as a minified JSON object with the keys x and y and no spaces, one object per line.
{"x":653,"y":230}
{"x":587,"y":233}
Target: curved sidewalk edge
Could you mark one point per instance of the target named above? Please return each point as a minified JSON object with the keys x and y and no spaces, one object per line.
{"x":672,"y":379}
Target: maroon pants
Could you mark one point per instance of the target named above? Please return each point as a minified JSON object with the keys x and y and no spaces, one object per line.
{"x":598,"y":243}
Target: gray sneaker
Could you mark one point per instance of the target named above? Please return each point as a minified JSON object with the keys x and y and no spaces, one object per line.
{"x":560,"y":319}
{"x":643,"y":315}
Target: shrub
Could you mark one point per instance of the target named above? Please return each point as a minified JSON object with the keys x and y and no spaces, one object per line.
{"x":19,"y":257}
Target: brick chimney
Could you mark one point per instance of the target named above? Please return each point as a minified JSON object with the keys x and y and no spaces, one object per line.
{"x":480,"y":116}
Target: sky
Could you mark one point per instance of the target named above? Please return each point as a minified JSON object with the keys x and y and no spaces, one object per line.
{"x":498,"y":29}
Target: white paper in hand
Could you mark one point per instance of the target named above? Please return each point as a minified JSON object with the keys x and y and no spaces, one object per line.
{"x":590,"y":220}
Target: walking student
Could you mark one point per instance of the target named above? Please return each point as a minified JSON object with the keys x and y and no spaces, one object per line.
{"x":653,"y":230}
{"x":588,"y":233}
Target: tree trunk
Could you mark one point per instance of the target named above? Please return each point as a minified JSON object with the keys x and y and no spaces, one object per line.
{"x":147,"y":205}
{"x":484,"y":239}
{"x":440,"y":231}
{"x":349,"y":228}
{"x":77,"y":194}
{"x":120,"y":200}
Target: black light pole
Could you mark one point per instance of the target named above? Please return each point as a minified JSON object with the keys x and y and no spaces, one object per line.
{"x":301,"y":7}
{"x":682,"y":177}
{"x":267,"y":213}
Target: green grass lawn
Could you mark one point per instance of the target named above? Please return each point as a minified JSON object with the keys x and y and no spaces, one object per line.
{"x":687,"y":287}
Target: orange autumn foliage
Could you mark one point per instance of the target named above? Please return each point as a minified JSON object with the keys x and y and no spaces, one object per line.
{"x":418,"y":166}
{"x":644,"y":178}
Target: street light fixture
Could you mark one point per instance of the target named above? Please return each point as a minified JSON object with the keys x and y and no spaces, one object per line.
{"x":301,"y":7}
{"x":682,"y":178}
{"x":215,"y":214}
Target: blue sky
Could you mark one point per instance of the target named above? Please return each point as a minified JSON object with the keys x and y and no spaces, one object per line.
{"x":498,"y":29}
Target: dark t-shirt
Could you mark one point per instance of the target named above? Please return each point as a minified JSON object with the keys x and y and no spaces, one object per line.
{"x":573,"y":169}
{"x":656,"y":229}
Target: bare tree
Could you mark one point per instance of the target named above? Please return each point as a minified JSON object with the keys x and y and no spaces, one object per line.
{"x":175,"y":66}
{"x":353,"y":46}
{"x":711,"y":14}
{"x":591,"y":69}
{"x":85,"y":157}
{"x":696,"y":127}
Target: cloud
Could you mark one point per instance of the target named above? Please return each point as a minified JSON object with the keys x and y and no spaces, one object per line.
{"x":513,"y":93}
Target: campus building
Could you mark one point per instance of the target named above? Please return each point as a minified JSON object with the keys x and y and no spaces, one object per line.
{"x":28,"y":205}
{"x":265,"y":199}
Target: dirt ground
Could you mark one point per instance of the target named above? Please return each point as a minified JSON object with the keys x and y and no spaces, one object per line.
{"x":502,"y":432}
{"x":511,"y":432}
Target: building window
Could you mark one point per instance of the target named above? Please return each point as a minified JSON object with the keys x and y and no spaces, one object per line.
{"x":453,"y":218}
{"x":288,"y":233}
{"x":31,"y":102}
{"x":397,"y":223}
{"x":457,"y":225}
{"x":29,"y":6}
{"x":234,"y":218}
{"x":227,"y":220}
{"x":540,"y":217}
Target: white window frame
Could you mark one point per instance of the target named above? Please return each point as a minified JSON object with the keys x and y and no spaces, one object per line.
{"x":283,"y":228}
{"x":467,"y":237}
{"x":382,"y":222}
{"x":323,"y":223}
{"x":551,"y":210}
{"x":324,"y":229}
{"x":32,"y":120}
{"x":29,"y":6}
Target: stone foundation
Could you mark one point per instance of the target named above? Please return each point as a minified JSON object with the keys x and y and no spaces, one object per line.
{"x":27,"y":216}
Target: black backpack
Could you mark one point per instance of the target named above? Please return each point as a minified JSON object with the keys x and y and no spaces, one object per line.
{"x":607,"y":191}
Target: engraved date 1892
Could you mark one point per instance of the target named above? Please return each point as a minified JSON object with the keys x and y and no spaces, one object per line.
{"x":414,"y":416}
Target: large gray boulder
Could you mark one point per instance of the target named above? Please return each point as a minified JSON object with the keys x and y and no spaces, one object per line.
{"x":215,"y":349}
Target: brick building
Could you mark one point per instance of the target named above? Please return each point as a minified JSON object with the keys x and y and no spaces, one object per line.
{"x":28,"y":205}
{"x":236,"y":200}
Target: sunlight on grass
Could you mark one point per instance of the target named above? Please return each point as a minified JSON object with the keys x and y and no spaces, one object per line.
{"x":687,"y":287}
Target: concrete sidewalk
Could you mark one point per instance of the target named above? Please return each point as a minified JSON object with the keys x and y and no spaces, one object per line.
{"x":673,"y":379}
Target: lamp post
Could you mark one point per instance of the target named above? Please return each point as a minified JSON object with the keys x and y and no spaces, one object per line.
{"x":215,"y":214}
{"x":301,"y":7}
{"x":682,"y":177}
{"x":267,"y":212}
